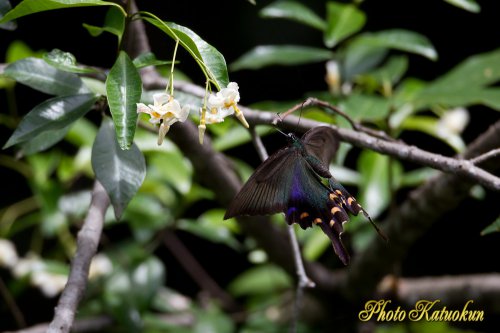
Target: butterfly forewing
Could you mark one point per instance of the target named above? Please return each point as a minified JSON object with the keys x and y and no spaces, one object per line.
{"x":265,"y":191}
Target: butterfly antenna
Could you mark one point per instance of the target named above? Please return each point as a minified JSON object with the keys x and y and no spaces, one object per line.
{"x":275,"y":124}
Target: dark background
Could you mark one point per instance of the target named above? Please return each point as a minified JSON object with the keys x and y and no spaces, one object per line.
{"x":452,"y":246}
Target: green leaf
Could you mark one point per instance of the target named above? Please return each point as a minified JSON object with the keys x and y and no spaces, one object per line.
{"x":124,"y":88}
{"x":147,"y":278}
{"x":469,"y":5}
{"x":43,"y":77}
{"x":149,"y":59}
{"x":343,"y":20}
{"x":283,"y":55}
{"x":465,"y":84}
{"x":366,"y":107}
{"x":399,"y":39}
{"x":4,"y":8}
{"x":294,"y":11}
{"x":114,"y":23}
{"x":391,"y":72}
{"x":172,"y":167}
{"x":264,"y":279}
{"x":211,"y":226}
{"x":28,"y":7}
{"x":18,"y":50}
{"x":44,"y":140}
{"x":212,"y":320}
{"x":121,"y":172}
{"x":432,"y":126}
{"x":375,"y":192}
{"x":494,"y":227}
{"x":316,"y":245}
{"x":358,"y":58}
{"x":53,"y":114}
{"x":65,"y":61}
{"x":210,"y":60}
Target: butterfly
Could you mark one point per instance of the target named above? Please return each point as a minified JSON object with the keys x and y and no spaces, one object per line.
{"x":296,"y":181}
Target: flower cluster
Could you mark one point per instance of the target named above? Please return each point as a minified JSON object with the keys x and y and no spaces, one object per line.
{"x":36,"y":269}
{"x":220,"y":105}
{"x":165,"y":111}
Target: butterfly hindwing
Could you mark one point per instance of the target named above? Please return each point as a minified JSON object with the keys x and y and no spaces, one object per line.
{"x":310,"y":202}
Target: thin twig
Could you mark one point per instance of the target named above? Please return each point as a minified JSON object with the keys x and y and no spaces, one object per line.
{"x":12,"y":305}
{"x":484,"y":157}
{"x":93,"y":324}
{"x":355,"y":125}
{"x":400,"y":150}
{"x":378,"y":142}
{"x":195,"y":270}
{"x":304,"y":280}
{"x":88,"y":240}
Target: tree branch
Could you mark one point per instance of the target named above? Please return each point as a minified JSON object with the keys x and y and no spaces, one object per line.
{"x":424,"y":206}
{"x":88,"y":240}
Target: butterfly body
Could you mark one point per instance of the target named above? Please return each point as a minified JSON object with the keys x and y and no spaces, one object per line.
{"x":296,"y":181}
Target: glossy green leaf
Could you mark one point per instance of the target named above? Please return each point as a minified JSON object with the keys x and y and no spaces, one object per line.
{"x":390,"y":72}
{"x":121,"y":172}
{"x":4,"y":8}
{"x":172,"y":167}
{"x":53,"y":114}
{"x":416,"y":177}
{"x":124,"y":88}
{"x":208,"y":58}
{"x":316,"y":245}
{"x":494,"y":227}
{"x":402,"y":40}
{"x":264,"y":279}
{"x":358,"y":58}
{"x":147,"y":278}
{"x":365,"y":107}
{"x":28,"y":7}
{"x":211,"y":226}
{"x":212,"y":320}
{"x":432,"y":126}
{"x":343,"y":20}
{"x":282,"y":55}
{"x":146,"y":216}
{"x":18,"y":50}
{"x":149,"y":59}
{"x":114,"y":23}
{"x":469,"y":5}
{"x":294,"y":11}
{"x":65,"y":61}
{"x":466,"y":84}
{"x":43,"y":77}
{"x":375,"y":192}
{"x":44,"y":140}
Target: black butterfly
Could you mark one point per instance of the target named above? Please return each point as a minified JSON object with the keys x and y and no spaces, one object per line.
{"x":296,"y":181}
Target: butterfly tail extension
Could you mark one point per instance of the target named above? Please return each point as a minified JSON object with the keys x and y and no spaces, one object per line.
{"x":338,"y":247}
{"x":352,"y":205}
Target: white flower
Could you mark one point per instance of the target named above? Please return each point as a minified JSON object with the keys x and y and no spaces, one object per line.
{"x":27,"y":265}
{"x":333,"y":76}
{"x":165,"y":110}
{"x":226,"y":98}
{"x":219,"y":106}
{"x":100,"y":265}
{"x":8,"y":254}
{"x":454,"y":121}
{"x":49,"y":283}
